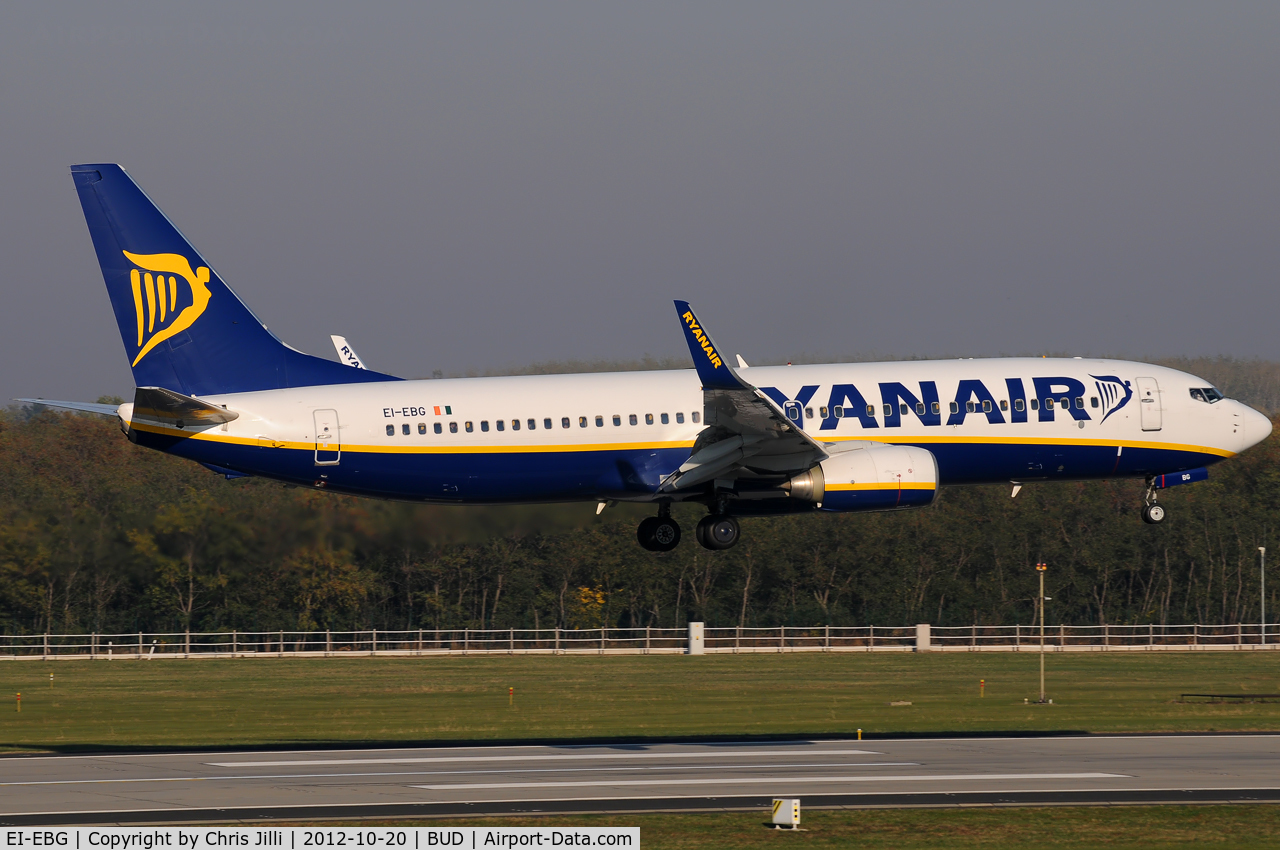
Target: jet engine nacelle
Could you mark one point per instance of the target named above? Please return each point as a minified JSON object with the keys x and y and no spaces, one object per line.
{"x":872,"y":478}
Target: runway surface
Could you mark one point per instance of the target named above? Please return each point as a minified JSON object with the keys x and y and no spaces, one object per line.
{"x":439,"y":781}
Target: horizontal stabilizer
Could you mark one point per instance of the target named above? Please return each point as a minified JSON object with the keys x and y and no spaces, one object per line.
{"x":170,"y":408}
{"x":82,"y":406}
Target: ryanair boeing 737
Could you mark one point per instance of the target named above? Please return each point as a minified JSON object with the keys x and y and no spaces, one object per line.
{"x":215,"y":386}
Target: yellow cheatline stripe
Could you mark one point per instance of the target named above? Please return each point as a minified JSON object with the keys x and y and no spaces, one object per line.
{"x":1038,"y":441}
{"x":218,"y":436}
{"x":892,"y":485}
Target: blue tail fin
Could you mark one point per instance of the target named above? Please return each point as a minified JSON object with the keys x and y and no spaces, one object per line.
{"x":183,"y":328}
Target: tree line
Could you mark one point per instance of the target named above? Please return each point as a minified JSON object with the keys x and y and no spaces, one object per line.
{"x":99,"y":535}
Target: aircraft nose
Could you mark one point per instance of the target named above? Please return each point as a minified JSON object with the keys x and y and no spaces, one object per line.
{"x":1257,"y":427}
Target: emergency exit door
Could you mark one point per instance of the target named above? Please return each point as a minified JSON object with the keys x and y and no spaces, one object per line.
{"x":1149,"y":403}
{"x":328,"y":444}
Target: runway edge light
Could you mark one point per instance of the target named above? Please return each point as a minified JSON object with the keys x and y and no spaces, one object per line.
{"x":786,"y":812}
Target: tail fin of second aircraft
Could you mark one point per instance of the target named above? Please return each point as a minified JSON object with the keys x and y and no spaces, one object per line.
{"x":183,"y":328}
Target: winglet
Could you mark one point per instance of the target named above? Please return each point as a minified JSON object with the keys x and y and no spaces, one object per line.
{"x":712,"y":368}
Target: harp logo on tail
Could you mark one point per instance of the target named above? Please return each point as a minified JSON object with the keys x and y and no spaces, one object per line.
{"x":167,"y":297}
{"x":1115,"y":393}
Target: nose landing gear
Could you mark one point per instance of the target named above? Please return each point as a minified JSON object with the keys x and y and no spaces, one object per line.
{"x":1152,"y":513}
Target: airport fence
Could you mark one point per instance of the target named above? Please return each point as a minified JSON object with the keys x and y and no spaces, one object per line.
{"x":637,"y":641}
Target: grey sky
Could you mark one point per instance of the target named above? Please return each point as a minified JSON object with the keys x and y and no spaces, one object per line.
{"x":474,"y":186}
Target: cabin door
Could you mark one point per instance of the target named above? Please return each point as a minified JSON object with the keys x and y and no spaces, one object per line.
{"x":328,"y":444}
{"x":1149,"y":403}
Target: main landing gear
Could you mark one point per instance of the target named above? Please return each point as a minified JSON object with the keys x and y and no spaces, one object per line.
{"x":659,"y":533}
{"x":1152,"y":513}
{"x":718,"y":531}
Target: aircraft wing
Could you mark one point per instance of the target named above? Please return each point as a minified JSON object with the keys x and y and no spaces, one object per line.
{"x":746,"y":433}
{"x":346,"y":353}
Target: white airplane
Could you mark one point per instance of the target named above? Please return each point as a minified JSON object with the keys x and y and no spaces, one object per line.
{"x":215,"y":386}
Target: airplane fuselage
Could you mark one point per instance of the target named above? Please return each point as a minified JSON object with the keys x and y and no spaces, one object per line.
{"x":617,"y":436}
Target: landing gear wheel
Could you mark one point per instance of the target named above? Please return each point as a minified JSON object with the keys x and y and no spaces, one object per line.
{"x":1153,"y":514}
{"x":658,"y":533}
{"x":666,"y":534}
{"x":717,"y":531}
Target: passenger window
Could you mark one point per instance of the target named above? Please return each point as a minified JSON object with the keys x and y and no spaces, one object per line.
{"x":469,"y":427}
{"x":986,"y":406}
{"x":582,"y":421}
{"x":679,"y":418}
{"x":599,"y":421}
{"x":1066,"y":403}
{"x":970,"y":407}
{"x":533,"y":424}
{"x":919,"y":409}
{"x":871,"y":410}
{"x":437,"y":428}
{"x":453,"y":427}
{"x":666,"y":420}
{"x":695,"y":416}
{"x":564,"y":422}
{"x":808,"y":413}
{"x":937,"y":408}
{"x":632,"y":419}
{"x":1018,"y":405}
{"x":391,"y":430}
{"x":1048,"y":404}
{"x":404,"y":429}
{"x":617,"y":420}
{"x":422,"y":427}
{"x":1035,"y":404}
{"x":838,"y":411}
{"x":822,"y":411}
{"x":888,"y":409}
{"x":648,"y":419}
{"x":515,"y":424}
{"x":955,"y":408}
{"x":1093,"y":401}
{"x":1004,"y":404}
{"x":1080,"y":403}
{"x":500,"y":424}
{"x":546,"y":423}
{"x":903,"y":409}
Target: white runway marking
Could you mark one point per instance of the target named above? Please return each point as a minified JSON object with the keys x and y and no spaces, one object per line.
{"x":507,"y":772}
{"x":573,"y":757}
{"x":780,"y":780}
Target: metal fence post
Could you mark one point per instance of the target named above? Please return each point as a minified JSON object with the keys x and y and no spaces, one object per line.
{"x":373,"y":642}
{"x":466,"y":640}
{"x":46,"y":646}
{"x":827,"y":639}
{"x":646,"y":639}
{"x":871,"y":638}
{"x":557,"y":649}
{"x":328,"y":642}
{"x":139,"y":644}
{"x":93,"y":647}
{"x":186,"y":651}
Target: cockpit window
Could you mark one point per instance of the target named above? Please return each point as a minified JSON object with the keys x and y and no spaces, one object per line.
{"x":1209,"y":395}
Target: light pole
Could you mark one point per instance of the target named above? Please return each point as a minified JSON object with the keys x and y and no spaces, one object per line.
{"x":1040,"y":568}
{"x":1263,"y":551}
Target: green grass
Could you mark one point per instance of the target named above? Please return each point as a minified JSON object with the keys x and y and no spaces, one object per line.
{"x":1074,"y":828}
{"x":265,"y":702}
